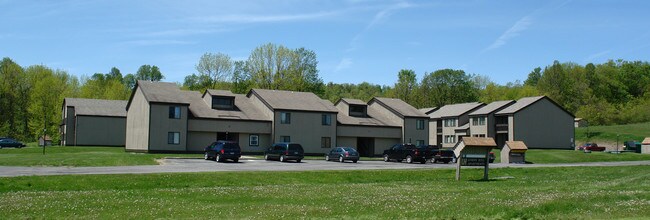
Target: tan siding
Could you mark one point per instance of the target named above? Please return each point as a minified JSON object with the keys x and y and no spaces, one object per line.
{"x":343,"y":108}
{"x":375,"y":108}
{"x":448,"y":131}
{"x":433,"y":132}
{"x":544,"y":125}
{"x":260,"y":105}
{"x":307,"y":130}
{"x":382,"y":144}
{"x":346,"y":142}
{"x":478,"y":129}
{"x":101,"y":131}
{"x":234,"y":126}
{"x":368,"y":131}
{"x":137,"y":123}
{"x":162,"y":125}
{"x":411,"y":134}
{"x":264,"y":143}
{"x":511,"y":125}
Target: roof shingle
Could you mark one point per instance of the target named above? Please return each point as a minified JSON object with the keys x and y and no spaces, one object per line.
{"x":245,"y":109}
{"x":291,"y":100}
{"x":400,"y":107}
{"x":492,"y":107}
{"x":97,"y":107}
{"x":455,"y":110}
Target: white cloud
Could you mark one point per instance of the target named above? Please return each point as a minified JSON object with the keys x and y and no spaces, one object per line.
{"x":379,"y":16}
{"x":156,"y":42}
{"x":344,"y":64}
{"x":249,"y":18}
{"x":513,"y":32}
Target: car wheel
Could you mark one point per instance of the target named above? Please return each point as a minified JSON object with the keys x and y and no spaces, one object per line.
{"x":434,"y":161}
{"x":327,"y":157}
{"x":409,"y":159}
{"x":341,"y":159}
{"x":218,"y":158}
{"x":423,"y":161}
{"x":266,"y":157}
{"x":206,"y":156}
{"x":386,"y":158}
{"x":354,"y":161}
{"x":282,"y":158}
{"x":298,"y":161}
{"x":236,"y":160}
{"x":446,"y":162}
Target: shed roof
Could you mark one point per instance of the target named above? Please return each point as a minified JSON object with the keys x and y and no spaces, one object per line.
{"x":97,"y":107}
{"x":479,"y":142}
{"x":455,"y":110}
{"x":646,"y":141}
{"x":516,"y":145}
{"x":492,"y":107}
{"x":245,"y":109}
{"x":291,"y":100}
{"x":399,"y":106}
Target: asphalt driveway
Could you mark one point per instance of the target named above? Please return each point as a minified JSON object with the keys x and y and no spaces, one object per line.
{"x":200,"y":165}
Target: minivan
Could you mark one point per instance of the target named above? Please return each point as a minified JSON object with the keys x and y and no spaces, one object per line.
{"x":284,"y":152}
{"x":222,"y":150}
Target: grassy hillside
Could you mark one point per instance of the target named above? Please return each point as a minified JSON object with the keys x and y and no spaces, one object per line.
{"x":608,"y":133}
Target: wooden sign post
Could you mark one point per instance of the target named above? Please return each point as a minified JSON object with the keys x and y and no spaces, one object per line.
{"x":474,"y":151}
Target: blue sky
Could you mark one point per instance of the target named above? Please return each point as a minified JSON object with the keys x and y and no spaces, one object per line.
{"x":355,"y":40}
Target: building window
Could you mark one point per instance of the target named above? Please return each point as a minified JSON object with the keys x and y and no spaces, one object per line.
{"x":419,"y":124}
{"x":326,"y":119}
{"x":478,"y":121}
{"x":173,"y":138}
{"x":479,"y":135}
{"x":450,"y":139}
{"x":419,"y":143}
{"x":285,"y":138}
{"x":325,"y":142}
{"x":450,"y":122}
{"x":358,"y":110}
{"x":285,"y":118}
{"x":224,"y":103}
{"x":175,"y":112}
{"x":254,"y":140}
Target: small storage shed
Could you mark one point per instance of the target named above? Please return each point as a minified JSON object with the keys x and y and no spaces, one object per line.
{"x":645,"y":146}
{"x":514,"y":152}
{"x":44,"y":141}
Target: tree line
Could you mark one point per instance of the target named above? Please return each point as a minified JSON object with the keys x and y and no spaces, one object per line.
{"x":31,"y":98}
{"x":614,"y":92}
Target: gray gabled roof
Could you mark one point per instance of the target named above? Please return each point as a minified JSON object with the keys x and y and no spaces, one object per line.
{"x":363,"y":121}
{"x":520,"y":104}
{"x":428,"y":110}
{"x":163,"y":92}
{"x":399,"y":107}
{"x":492,"y":107}
{"x":455,"y":110}
{"x":291,"y":100}
{"x":97,"y":107}
{"x":245,"y":110}
{"x":351,"y":101}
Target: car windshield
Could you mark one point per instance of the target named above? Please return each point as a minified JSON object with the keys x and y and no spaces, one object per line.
{"x":295,"y":147}
{"x":352,"y":150}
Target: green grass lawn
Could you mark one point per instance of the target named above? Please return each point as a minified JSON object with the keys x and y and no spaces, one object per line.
{"x":533,"y":193}
{"x":539,"y":156}
{"x":608,"y":133}
{"x":79,"y":156}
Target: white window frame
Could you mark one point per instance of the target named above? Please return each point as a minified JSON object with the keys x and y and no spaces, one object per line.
{"x":254,"y":140}
{"x":285,"y":117}
{"x":173,"y":138}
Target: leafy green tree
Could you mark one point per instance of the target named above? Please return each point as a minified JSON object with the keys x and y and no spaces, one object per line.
{"x":533,"y":77}
{"x":407,"y":86}
{"x":214,"y":68}
{"x":148,"y":72}
{"x":11,"y":80}
{"x":448,"y":86}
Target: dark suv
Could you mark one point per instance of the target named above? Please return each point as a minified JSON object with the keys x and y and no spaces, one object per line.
{"x":284,"y":152}
{"x":222,"y":150}
{"x":408,"y":152}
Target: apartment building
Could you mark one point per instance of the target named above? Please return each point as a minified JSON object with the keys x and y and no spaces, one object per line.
{"x":92,"y":122}
{"x":449,"y":123}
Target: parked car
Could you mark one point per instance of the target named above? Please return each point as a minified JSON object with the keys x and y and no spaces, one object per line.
{"x":633,"y":146}
{"x":342,"y":154}
{"x":408,"y":152}
{"x":10,"y":142}
{"x":223,"y":150}
{"x":442,"y":155}
{"x":284,"y":152}
{"x":591,"y":147}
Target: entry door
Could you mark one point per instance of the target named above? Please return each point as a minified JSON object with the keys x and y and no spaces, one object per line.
{"x":223,"y":136}
{"x":366,"y":146}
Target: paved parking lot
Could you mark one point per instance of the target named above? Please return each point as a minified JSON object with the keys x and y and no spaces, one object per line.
{"x":200,"y":165}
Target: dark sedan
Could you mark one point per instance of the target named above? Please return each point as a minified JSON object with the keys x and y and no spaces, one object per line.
{"x":342,"y":154}
{"x":9,"y":142}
